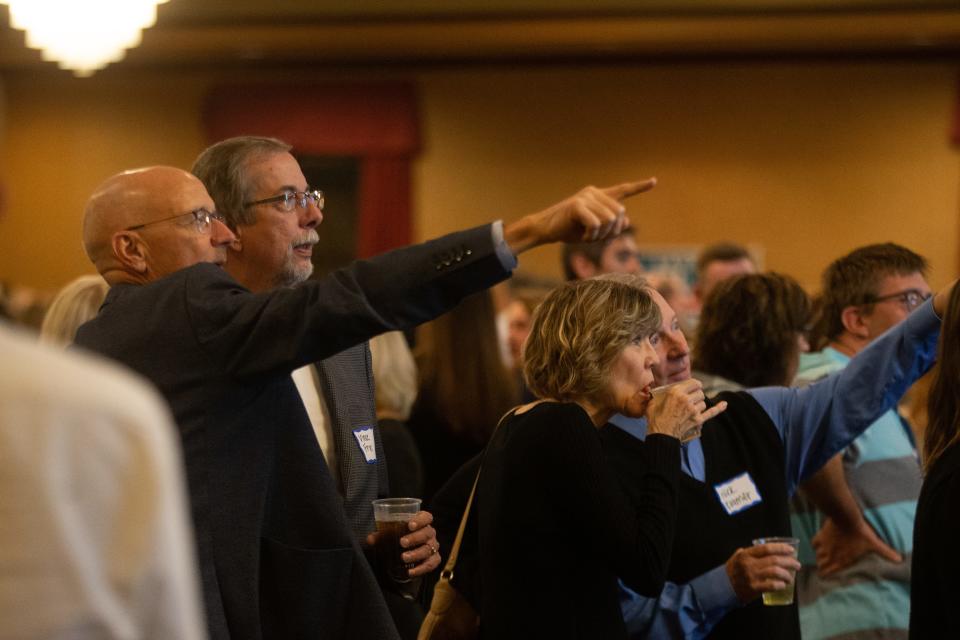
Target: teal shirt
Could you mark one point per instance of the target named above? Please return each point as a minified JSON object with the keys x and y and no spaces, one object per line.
{"x":871,"y":598}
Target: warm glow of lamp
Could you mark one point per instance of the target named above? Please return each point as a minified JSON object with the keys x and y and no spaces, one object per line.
{"x":83,"y":35}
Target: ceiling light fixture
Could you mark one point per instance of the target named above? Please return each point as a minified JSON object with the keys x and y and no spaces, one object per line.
{"x":83,"y":36}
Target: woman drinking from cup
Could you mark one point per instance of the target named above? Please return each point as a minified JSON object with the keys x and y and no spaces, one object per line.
{"x":556,"y":528}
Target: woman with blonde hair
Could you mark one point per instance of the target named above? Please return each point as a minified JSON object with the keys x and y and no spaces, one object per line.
{"x":76,"y":303}
{"x":556,"y":527}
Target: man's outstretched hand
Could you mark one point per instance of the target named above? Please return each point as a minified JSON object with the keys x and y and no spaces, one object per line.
{"x":590,"y":214}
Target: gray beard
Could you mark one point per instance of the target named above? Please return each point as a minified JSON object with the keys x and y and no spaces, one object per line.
{"x":291,"y":276}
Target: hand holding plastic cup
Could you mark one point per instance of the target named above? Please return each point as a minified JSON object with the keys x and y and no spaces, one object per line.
{"x":691,"y":429}
{"x":781,"y":597}
{"x":393,"y":517}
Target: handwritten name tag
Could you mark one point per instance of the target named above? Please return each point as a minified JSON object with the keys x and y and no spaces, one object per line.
{"x":738,"y":493}
{"x":368,"y":445}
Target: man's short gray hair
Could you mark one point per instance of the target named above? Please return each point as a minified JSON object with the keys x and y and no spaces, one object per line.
{"x":222,"y":170}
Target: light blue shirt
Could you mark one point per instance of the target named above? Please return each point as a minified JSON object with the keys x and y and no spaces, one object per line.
{"x":882,"y":470}
{"x":502,"y":249}
{"x":815,"y":422}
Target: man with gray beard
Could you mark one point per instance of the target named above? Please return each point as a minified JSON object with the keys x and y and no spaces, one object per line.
{"x":260,"y":189}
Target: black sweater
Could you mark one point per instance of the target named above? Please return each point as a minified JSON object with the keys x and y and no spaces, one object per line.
{"x":935,"y":574}
{"x":557,"y":528}
{"x":740,"y":440}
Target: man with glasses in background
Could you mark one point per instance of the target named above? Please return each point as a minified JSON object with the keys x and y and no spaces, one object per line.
{"x":855,"y":517}
{"x":259,"y":187}
{"x":278,"y":558}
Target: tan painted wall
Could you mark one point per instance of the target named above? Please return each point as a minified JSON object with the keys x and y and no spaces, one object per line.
{"x":806,"y":160}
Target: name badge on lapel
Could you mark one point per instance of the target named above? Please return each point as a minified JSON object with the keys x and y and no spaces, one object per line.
{"x":738,"y":493}
{"x":368,"y":446}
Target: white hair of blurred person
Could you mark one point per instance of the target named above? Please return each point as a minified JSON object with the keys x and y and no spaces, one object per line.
{"x":75,"y":304}
{"x":394,"y":375}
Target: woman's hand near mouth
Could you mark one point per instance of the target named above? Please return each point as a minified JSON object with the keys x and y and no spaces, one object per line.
{"x":679,"y":410}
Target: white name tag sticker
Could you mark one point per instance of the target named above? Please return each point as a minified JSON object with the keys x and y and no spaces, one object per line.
{"x":738,"y":493}
{"x":368,"y":445}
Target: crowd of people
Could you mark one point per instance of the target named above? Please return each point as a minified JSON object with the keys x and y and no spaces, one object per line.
{"x":203,"y":462}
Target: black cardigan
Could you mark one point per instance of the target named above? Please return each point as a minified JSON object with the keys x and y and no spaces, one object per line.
{"x":557,"y":528}
{"x":935,"y":573}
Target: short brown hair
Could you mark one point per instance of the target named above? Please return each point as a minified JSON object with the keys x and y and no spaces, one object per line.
{"x":748,"y":329}
{"x":579,"y":330}
{"x":222,"y":170}
{"x":855,"y":279}
{"x":720,"y":252}
{"x":592,"y":251}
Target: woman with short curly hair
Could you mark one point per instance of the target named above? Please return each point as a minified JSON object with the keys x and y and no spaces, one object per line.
{"x":556,"y":527}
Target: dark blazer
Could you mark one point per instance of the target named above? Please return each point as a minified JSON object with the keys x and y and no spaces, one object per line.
{"x":277,"y":556}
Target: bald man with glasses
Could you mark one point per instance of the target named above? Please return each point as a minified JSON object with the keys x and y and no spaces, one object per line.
{"x":278,"y":558}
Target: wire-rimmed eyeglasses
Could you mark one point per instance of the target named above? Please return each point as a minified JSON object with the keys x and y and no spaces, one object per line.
{"x":909,"y":298}
{"x":202,"y":219}
{"x":288,"y":200}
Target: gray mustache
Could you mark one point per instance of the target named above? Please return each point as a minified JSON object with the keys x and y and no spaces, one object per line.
{"x":310,"y":237}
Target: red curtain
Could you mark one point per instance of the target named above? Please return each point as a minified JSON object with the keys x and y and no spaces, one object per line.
{"x":376,"y":123}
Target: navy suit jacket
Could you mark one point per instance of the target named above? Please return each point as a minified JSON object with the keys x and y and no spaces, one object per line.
{"x":277,"y":556}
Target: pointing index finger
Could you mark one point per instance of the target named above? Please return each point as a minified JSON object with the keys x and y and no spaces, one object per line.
{"x":628,"y":189}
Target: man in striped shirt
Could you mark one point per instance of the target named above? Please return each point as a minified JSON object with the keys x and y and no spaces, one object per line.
{"x":855,"y":517}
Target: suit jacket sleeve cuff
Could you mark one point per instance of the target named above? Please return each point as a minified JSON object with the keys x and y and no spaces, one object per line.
{"x":504,"y":253}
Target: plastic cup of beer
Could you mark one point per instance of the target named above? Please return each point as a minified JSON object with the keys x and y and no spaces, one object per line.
{"x":392,"y":516}
{"x":783,"y":596}
{"x":692,"y":431}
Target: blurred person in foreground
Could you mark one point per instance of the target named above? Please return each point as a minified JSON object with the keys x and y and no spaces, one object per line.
{"x":742,"y":471}
{"x":278,"y":557}
{"x":95,"y":539}
{"x":73,"y":305}
{"x":854,"y":517}
{"x":936,"y":560}
{"x":545,"y":494}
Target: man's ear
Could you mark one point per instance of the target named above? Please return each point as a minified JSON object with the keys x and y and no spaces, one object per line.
{"x":582,"y":267}
{"x":235,"y":244}
{"x":129,"y":251}
{"x":852,"y":318}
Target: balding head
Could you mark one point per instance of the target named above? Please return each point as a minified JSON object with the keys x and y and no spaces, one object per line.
{"x":161,"y":199}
